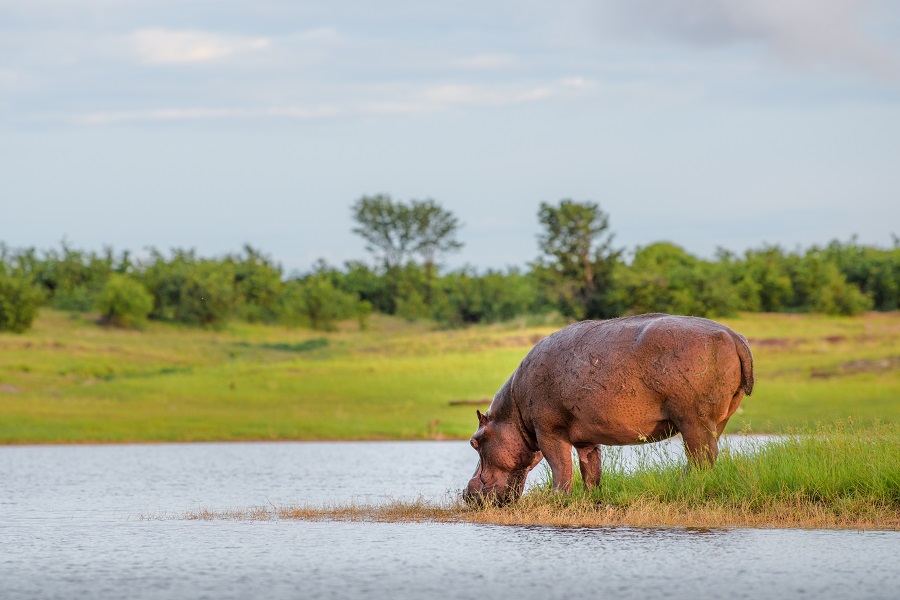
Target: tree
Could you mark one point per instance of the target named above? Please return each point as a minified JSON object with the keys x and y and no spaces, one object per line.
{"x":364,"y":282}
{"x":663,"y":277}
{"x":72,"y":278}
{"x":466,"y":297}
{"x":315,"y":301}
{"x":124,"y":302}
{"x":837,"y":297}
{"x":435,"y":234}
{"x":207,"y":295}
{"x":388,"y":227}
{"x":190,"y":290}
{"x":875,"y":271}
{"x":19,"y":301}
{"x":257,"y":282}
{"x":396,"y":232}
{"x":579,"y":258}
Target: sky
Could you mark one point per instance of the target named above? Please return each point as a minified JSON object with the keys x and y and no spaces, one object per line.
{"x":211,"y":124}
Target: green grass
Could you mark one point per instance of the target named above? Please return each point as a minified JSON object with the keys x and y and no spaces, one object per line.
{"x":69,"y":380}
{"x":846,"y":469}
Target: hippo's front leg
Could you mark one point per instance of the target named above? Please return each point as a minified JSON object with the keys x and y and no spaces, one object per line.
{"x":558,"y":453}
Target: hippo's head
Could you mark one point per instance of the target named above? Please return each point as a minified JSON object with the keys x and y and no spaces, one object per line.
{"x":504,"y":460}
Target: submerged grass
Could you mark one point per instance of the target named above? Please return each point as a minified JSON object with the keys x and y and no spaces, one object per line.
{"x":837,"y":476}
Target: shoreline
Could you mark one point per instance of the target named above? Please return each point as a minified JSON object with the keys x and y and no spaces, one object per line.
{"x":578,"y":515}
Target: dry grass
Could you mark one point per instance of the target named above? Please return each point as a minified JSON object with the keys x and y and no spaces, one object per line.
{"x":581,"y":513}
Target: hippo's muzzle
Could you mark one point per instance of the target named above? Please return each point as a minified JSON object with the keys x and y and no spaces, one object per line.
{"x":500,"y":489}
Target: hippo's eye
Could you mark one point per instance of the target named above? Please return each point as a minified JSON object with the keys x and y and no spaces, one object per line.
{"x":474,"y":443}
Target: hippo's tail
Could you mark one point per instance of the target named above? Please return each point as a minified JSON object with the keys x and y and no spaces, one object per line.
{"x":743,"y":350}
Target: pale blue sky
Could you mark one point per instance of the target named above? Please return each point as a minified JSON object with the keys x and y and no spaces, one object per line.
{"x":210,"y":124}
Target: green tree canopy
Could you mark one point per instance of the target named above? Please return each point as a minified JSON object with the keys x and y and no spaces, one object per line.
{"x":578,"y":257}
{"x":663,"y":277}
{"x":19,"y":300}
{"x":397,"y":231}
{"x":434,"y":232}
{"x":124,"y":302}
{"x":388,"y":227}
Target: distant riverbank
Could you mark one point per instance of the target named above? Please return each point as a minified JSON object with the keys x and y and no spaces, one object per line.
{"x":70,"y":381}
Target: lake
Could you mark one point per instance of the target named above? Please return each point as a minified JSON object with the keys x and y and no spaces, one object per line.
{"x":103,"y":522}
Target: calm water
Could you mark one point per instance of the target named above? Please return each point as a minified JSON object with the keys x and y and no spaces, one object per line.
{"x":70,"y":527}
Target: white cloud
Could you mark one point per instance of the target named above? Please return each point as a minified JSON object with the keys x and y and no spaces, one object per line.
{"x":442,"y":97}
{"x":185,"y":114}
{"x":164,"y":46}
{"x":423,"y":99}
{"x":379,"y":100}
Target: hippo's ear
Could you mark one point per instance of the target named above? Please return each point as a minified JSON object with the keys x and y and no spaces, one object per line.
{"x":480,"y":416}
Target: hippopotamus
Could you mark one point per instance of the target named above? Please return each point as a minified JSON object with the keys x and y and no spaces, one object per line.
{"x":621,"y":381}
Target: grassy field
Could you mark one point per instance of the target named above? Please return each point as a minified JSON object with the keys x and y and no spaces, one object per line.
{"x":840,"y":477}
{"x":68,"y":380}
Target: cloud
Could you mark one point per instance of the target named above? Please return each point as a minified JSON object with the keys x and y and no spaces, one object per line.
{"x":381,"y":101}
{"x":803,"y":31}
{"x":402,"y":100}
{"x":187,"y":114}
{"x":168,"y":47}
{"x":436,"y":98}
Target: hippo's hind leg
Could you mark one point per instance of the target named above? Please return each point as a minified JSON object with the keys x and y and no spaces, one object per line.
{"x":700,"y":443}
{"x":589,"y":463}
{"x":732,"y":408}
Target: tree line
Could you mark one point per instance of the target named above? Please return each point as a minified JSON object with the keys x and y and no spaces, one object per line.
{"x":578,"y":273}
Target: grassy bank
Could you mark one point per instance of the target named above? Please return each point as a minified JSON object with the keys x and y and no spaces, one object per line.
{"x":834,"y":477}
{"x":69,"y":380}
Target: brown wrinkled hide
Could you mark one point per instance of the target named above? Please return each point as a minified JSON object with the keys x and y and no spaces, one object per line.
{"x":623,"y":381}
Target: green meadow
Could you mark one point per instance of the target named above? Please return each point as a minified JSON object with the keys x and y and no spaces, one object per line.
{"x":69,"y":380}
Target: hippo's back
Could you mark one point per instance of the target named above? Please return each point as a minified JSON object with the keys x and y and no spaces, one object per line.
{"x":612,"y":344}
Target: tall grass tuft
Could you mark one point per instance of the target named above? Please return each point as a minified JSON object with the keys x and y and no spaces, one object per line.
{"x":835,"y":470}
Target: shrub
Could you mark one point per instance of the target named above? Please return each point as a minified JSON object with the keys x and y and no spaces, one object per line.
{"x":837,"y":297}
{"x":363,"y":312}
{"x":123,"y":302}
{"x":316,"y":302}
{"x":190,"y":290}
{"x":72,"y":278}
{"x":19,"y":302}
{"x":412,"y":306}
{"x":665,"y":278}
{"x":207,"y":295}
{"x":257,"y":282}
{"x":77,"y":299}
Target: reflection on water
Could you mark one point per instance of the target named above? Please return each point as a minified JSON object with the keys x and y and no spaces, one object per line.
{"x":70,"y":527}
